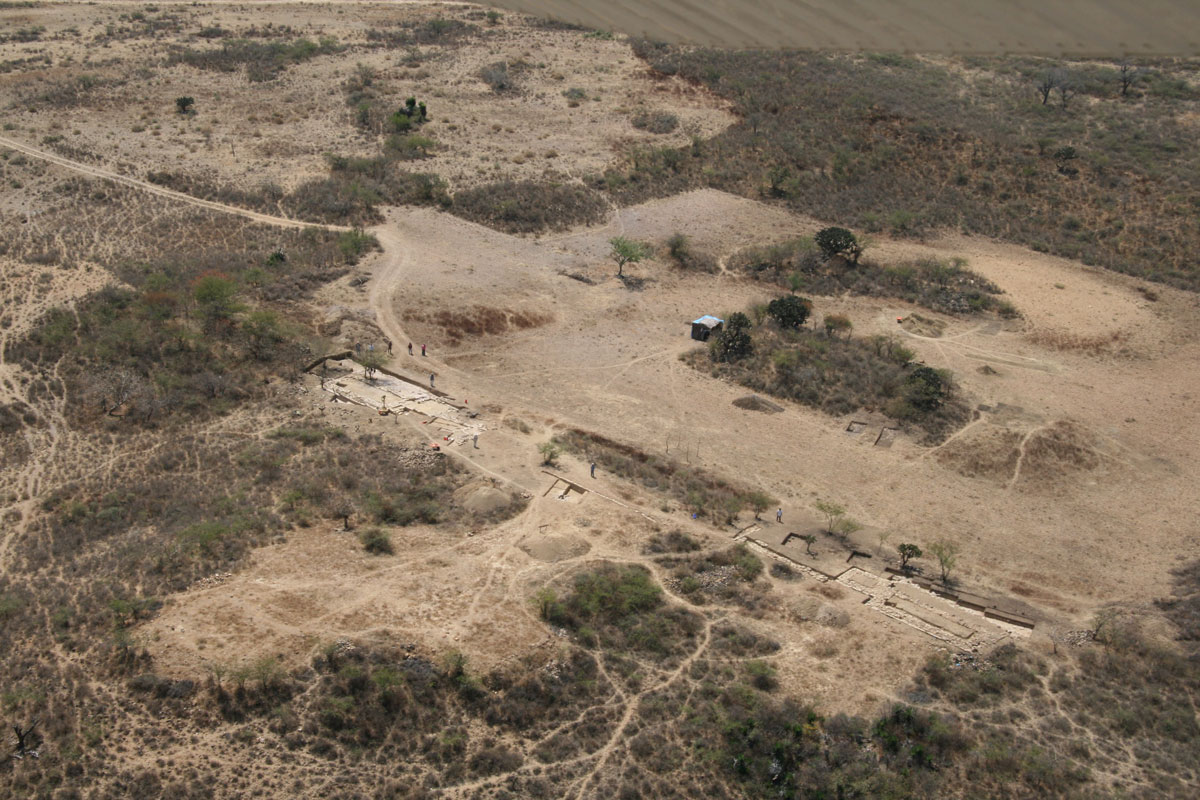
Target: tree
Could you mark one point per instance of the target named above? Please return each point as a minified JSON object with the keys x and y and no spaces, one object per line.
{"x":1063,"y":157}
{"x":946,"y":554}
{"x":627,"y":251}
{"x":215,"y":292}
{"x":809,"y":540}
{"x":263,"y":333}
{"x":119,"y":387}
{"x":777,"y":178}
{"x":371,"y":362}
{"x":759,"y":502}
{"x":845,"y":527}
{"x":733,"y":340}
{"x":833,"y":513}
{"x":547,"y":602}
{"x":908,"y":551}
{"x":838,"y":242}
{"x":926,"y":388}
{"x":789,"y":311}
{"x":184,"y":105}
{"x":343,"y":509}
{"x":550,"y":452}
{"x":1065,"y":87}
{"x":1129,"y":75}
{"x":836,"y":323}
{"x":25,"y":740}
{"x":795,"y":281}
{"x":883,"y":536}
{"x":1045,"y":85}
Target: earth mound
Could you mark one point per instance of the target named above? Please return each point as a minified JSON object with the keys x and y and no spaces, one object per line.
{"x":482,"y":498}
{"x":553,"y":547}
{"x":753,"y":402}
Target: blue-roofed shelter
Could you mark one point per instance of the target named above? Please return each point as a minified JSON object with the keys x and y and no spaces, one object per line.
{"x":705,"y":326}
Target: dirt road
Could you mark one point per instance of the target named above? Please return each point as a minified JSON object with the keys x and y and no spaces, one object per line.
{"x":99,"y":172}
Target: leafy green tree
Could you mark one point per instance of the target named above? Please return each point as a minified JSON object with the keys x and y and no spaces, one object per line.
{"x":627,"y":251}
{"x":184,"y":105}
{"x":550,"y":452}
{"x":838,"y":242}
{"x":263,"y":333}
{"x":215,"y":293}
{"x":733,"y":340}
{"x":907,"y":552}
{"x":926,"y":388}
{"x":548,"y":605}
{"x":371,"y":361}
{"x":789,"y":311}
{"x":946,"y":554}
{"x":759,"y":502}
{"x":832,"y":511}
{"x":836,"y":522}
{"x":809,"y":540}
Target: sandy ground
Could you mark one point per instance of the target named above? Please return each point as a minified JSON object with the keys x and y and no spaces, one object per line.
{"x":277,"y":133}
{"x":609,"y":363}
{"x":1072,"y":487}
{"x":1103,"y":521}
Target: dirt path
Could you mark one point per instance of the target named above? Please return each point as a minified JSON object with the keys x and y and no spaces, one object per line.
{"x":98,"y":172}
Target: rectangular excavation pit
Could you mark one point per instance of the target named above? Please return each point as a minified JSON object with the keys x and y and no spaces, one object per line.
{"x":930,"y":617}
{"x":886,"y":437}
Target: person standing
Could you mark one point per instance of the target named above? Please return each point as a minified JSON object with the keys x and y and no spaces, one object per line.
{"x":476,"y":441}
{"x":422,"y":350}
{"x":593,"y":469}
{"x":410,"y":348}
{"x":431,"y":380}
{"x":389,"y":344}
{"x":779,"y":516}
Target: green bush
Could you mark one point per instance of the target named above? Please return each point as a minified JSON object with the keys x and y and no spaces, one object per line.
{"x":376,"y":541}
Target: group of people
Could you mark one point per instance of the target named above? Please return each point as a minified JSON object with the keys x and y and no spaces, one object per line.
{"x":370,"y":347}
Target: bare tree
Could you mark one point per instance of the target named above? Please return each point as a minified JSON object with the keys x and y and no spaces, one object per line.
{"x":1129,"y":75}
{"x":1065,"y":86}
{"x":117,"y":388}
{"x":24,"y":742}
{"x":1046,"y":83}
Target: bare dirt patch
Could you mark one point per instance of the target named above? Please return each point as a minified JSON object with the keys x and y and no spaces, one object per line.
{"x":455,"y":325}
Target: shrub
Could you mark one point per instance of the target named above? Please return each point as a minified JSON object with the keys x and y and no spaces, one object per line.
{"x":497,"y":76}
{"x":376,"y":541}
{"x":655,"y":121}
{"x":530,"y":206}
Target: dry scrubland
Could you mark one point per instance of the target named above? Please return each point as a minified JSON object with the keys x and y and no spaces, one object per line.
{"x":216,"y":582}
